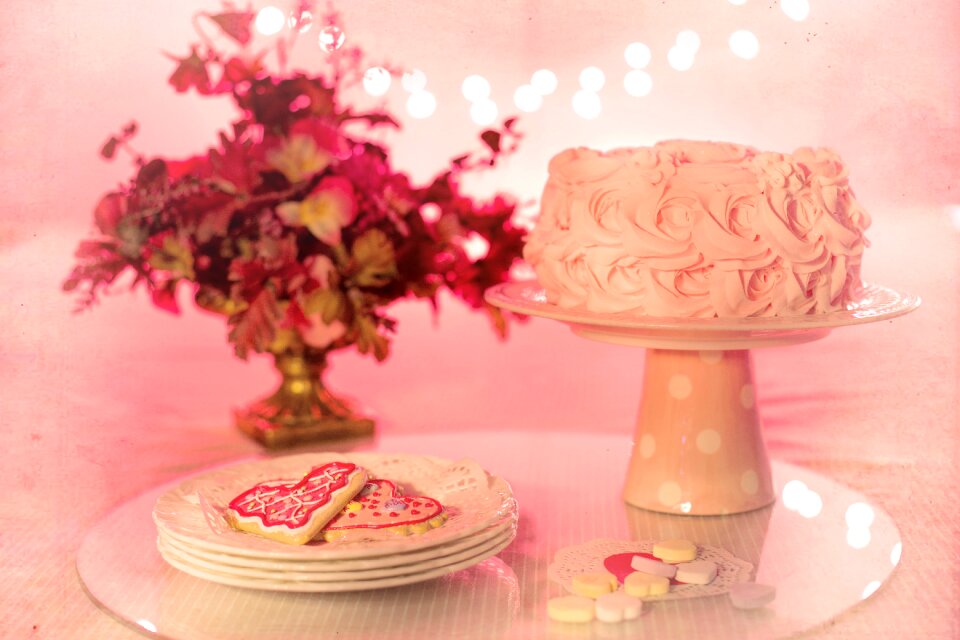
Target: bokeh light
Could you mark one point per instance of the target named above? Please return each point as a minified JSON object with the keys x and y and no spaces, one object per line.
{"x":638,"y":83}
{"x":586,"y":104}
{"x":744,"y":44}
{"x":414,"y":80}
{"x":797,"y":10}
{"x":527,"y":98}
{"x":476,"y":246}
{"x":376,"y":81}
{"x":300,"y":21}
{"x":430,"y":212}
{"x":637,"y":55}
{"x":859,"y":515}
{"x":483,"y":112}
{"x":680,"y":58}
{"x":269,"y":20}
{"x":475,"y":88}
{"x":421,"y":104}
{"x":544,"y":81}
{"x":688,"y":39}
{"x":895,"y":553}
{"x":331,"y":38}
{"x":592,"y":79}
{"x":793,"y":493}
{"x":858,"y":538}
{"x":810,"y":505}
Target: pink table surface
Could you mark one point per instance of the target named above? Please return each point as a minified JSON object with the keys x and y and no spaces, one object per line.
{"x":99,"y":407}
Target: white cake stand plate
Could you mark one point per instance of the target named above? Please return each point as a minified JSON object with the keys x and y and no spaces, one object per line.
{"x":698,"y":447}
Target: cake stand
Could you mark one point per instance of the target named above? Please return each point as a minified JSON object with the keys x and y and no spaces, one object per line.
{"x":698,"y":448}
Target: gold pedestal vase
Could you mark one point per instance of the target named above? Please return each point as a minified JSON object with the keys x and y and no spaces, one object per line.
{"x":302,"y":409}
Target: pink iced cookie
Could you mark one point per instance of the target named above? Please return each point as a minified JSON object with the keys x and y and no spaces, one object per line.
{"x":381,"y":505}
{"x":295,"y":512}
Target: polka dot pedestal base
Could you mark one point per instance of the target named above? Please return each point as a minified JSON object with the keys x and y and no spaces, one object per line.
{"x":698,"y":448}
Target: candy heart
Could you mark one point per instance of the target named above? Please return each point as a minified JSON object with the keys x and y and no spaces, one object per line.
{"x":296,"y":512}
{"x":380,"y":506}
{"x":620,"y":564}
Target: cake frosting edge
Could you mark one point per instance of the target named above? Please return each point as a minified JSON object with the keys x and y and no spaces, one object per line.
{"x":699,"y":229}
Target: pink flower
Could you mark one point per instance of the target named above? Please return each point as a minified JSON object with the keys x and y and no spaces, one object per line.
{"x":325,"y":211}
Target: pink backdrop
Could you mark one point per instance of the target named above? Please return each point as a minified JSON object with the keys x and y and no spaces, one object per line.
{"x":88,"y":399}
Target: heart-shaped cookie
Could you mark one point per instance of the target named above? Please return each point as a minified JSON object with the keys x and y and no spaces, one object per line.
{"x":381,"y":505}
{"x":295,"y":513}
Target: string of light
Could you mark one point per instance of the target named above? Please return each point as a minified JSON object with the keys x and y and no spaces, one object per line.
{"x":476,"y":89}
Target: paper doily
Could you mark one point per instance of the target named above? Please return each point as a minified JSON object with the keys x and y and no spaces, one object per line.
{"x":193,"y":512}
{"x":589,"y":556}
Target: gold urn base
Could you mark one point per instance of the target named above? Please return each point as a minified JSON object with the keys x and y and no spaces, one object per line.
{"x":302,"y":410}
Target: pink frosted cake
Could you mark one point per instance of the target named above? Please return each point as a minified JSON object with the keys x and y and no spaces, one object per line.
{"x":699,"y":229}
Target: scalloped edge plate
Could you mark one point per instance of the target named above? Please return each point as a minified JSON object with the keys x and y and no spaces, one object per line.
{"x":877,"y":303}
{"x":184,"y":515}
{"x":489,"y":550}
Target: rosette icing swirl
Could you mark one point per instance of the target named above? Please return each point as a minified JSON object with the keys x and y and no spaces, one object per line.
{"x":699,"y":229}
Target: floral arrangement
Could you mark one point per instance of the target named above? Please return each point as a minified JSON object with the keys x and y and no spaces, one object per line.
{"x":296,"y":225}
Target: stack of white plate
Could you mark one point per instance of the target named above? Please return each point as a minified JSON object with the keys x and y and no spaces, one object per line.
{"x":194,"y":536}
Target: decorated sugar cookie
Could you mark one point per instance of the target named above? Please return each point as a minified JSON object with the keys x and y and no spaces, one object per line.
{"x":296,"y":512}
{"x":381,"y":506}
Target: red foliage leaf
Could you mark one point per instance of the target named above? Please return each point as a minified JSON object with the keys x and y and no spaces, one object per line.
{"x":294,"y":318}
{"x":238,"y":163}
{"x":165,"y":297}
{"x":110,"y":209}
{"x":235,"y":24}
{"x":190,"y":72}
{"x":491,"y":138}
{"x":152,"y":175}
{"x":255,"y":328}
{"x":109,"y":148}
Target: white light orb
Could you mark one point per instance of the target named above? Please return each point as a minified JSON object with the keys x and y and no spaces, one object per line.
{"x":871,"y":587}
{"x":680,"y":59}
{"x":586,"y":104}
{"x":793,"y":493}
{"x":301,"y":21}
{"x":637,"y":55}
{"x":544,"y":81}
{"x":688,"y":39}
{"x":638,"y":83}
{"x":592,"y":79}
{"x":744,"y":44}
{"x":376,"y":81}
{"x":475,"y":88}
{"x":421,"y":104}
{"x":527,"y":98}
{"x":430,"y":212}
{"x":895,"y":553}
{"x":810,"y":505}
{"x":476,"y":246}
{"x":798,"y":10}
{"x":953,"y":213}
{"x":331,"y":38}
{"x":859,"y":515}
{"x":483,"y":112}
{"x":269,"y":20}
{"x":414,"y":81}
{"x":738,"y":2}
{"x":858,"y":538}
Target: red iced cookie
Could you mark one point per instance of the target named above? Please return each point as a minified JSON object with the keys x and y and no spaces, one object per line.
{"x":380,"y":505}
